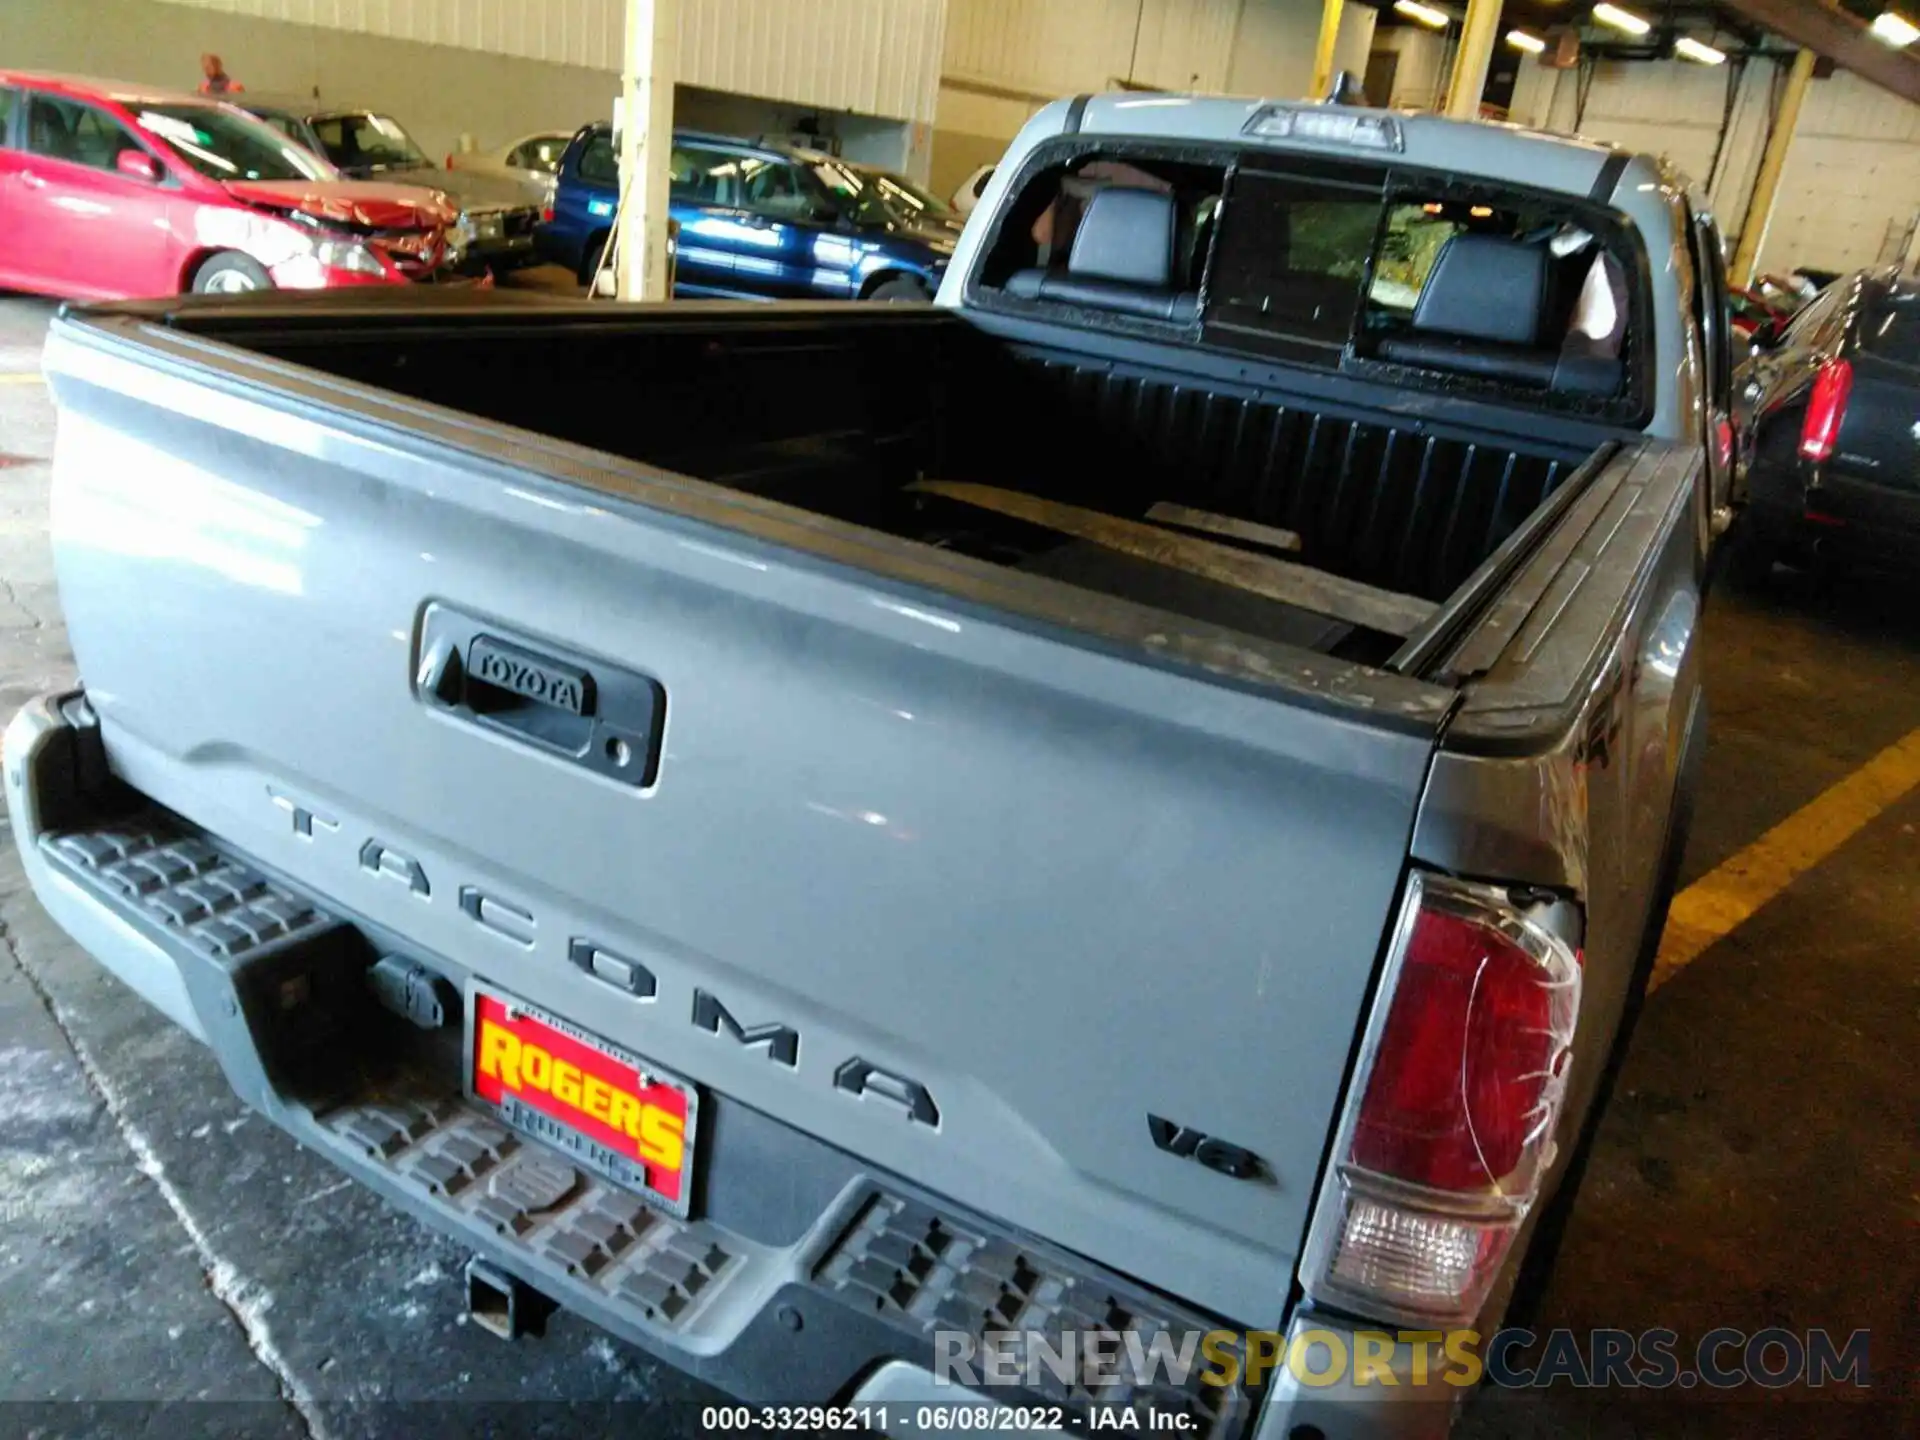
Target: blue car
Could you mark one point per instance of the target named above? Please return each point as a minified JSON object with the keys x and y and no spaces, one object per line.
{"x":762,"y":222}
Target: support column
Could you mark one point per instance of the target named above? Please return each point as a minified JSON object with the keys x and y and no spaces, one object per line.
{"x":1766,"y":185}
{"x":646,"y":146}
{"x":1323,"y":52}
{"x":1477,"y":39}
{"x":1354,"y":47}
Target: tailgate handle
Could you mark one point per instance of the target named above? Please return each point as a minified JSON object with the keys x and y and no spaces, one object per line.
{"x":506,"y":680}
{"x":599,"y":716}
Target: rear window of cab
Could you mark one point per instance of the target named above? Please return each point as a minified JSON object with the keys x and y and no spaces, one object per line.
{"x":1366,"y":268}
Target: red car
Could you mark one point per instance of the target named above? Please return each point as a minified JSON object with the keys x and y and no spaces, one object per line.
{"x":110,"y":190}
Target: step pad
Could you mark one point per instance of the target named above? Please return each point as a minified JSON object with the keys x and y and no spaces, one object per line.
{"x":219,"y":905}
{"x":897,"y":1263}
{"x":536,"y":1199}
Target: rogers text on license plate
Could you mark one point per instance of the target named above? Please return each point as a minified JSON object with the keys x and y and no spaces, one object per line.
{"x":608,"y":1109}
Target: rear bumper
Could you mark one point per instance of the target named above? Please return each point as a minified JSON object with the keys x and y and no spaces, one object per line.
{"x":1838,"y":515}
{"x":804,"y":1291}
{"x":557,"y":247}
{"x":499,"y":253}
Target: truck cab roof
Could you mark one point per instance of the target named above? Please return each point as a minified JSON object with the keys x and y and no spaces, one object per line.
{"x":1484,"y":168}
{"x":1569,"y":164}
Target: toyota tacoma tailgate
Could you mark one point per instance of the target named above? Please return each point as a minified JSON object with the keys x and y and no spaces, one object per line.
{"x":1073,"y":928}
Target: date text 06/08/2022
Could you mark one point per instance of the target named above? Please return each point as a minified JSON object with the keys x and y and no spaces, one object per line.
{"x":958,"y":1417}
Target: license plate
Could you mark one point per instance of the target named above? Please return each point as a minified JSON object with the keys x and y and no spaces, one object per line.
{"x":612,"y":1111}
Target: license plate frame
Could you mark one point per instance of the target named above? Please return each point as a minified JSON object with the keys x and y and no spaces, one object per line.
{"x":520,"y":1089}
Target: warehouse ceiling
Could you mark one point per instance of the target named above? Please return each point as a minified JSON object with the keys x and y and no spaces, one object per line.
{"x":1834,"y":29}
{"x":1840,"y":34}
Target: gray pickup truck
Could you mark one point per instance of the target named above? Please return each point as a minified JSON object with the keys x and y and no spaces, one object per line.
{"x":1139,"y":798}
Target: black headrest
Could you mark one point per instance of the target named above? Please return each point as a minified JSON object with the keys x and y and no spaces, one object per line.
{"x":1126,"y":235}
{"x":1485,"y":287}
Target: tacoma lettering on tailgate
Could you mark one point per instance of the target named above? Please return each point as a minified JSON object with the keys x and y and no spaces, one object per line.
{"x":854,"y":1076}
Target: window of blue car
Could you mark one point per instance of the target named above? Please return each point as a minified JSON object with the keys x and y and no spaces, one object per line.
{"x":705,"y":177}
{"x":599,"y":164}
{"x":776,"y":188}
{"x":877,"y":197}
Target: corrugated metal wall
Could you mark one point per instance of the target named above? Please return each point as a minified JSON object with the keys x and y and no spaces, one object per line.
{"x":1047,"y":46}
{"x":1186,"y":44}
{"x":877,"y":57}
{"x":566,"y":32}
{"x":1054,"y":47}
{"x":1852,"y":176}
{"x":1005,"y":58}
{"x":1426,"y":59}
{"x":1673,"y":109}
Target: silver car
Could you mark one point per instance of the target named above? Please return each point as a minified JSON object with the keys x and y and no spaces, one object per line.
{"x":532,"y":162}
{"x":495,"y":229}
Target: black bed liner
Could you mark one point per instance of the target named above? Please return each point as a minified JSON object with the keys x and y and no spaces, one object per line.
{"x":840,"y":412}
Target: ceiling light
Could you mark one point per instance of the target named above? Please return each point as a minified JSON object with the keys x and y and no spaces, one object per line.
{"x":1521,"y":40}
{"x":1691,"y":49}
{"x":1425,"y":14}
{"x":1621,"y":19}
{"x":1894,"y":30}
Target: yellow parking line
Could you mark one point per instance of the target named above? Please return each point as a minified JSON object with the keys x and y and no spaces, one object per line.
{"x":1720,"y":901}
{"x":22,"y":377}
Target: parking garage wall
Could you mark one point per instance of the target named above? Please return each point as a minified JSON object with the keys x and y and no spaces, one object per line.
{"x":1852,"y":183}
{"x":439,"y":92}
{"x":496,"y":69}
{"x":871,"y":57}
{"x":1004,"y":59}
{"x":1420,"y":74}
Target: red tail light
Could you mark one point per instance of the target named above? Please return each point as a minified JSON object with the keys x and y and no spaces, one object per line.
{"x":1467,"y":1052}
{"x":1459,"y":1092}
{"x":546,"y":215}
{"x":449,"y":160}
{"x":1826,"y":409}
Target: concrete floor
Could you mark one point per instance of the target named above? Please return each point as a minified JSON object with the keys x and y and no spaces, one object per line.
{"x":1758,"y":1168}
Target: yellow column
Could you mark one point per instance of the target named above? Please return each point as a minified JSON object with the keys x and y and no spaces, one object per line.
{"x":1323,"y":52}
{"x":1766,"y":185}
{"x":1470,"y":61}
{"x":646,"y":144}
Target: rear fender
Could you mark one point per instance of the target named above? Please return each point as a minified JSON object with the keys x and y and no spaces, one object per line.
{"x":1564,"y":767}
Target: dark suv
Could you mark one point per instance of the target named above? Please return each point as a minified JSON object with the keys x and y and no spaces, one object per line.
{"x":1831,"y":432}
{"x":762,"y":221}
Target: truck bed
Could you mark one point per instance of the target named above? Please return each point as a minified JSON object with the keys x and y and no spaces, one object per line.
{"x":842,"y":414}
{"x":989,"y":875}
